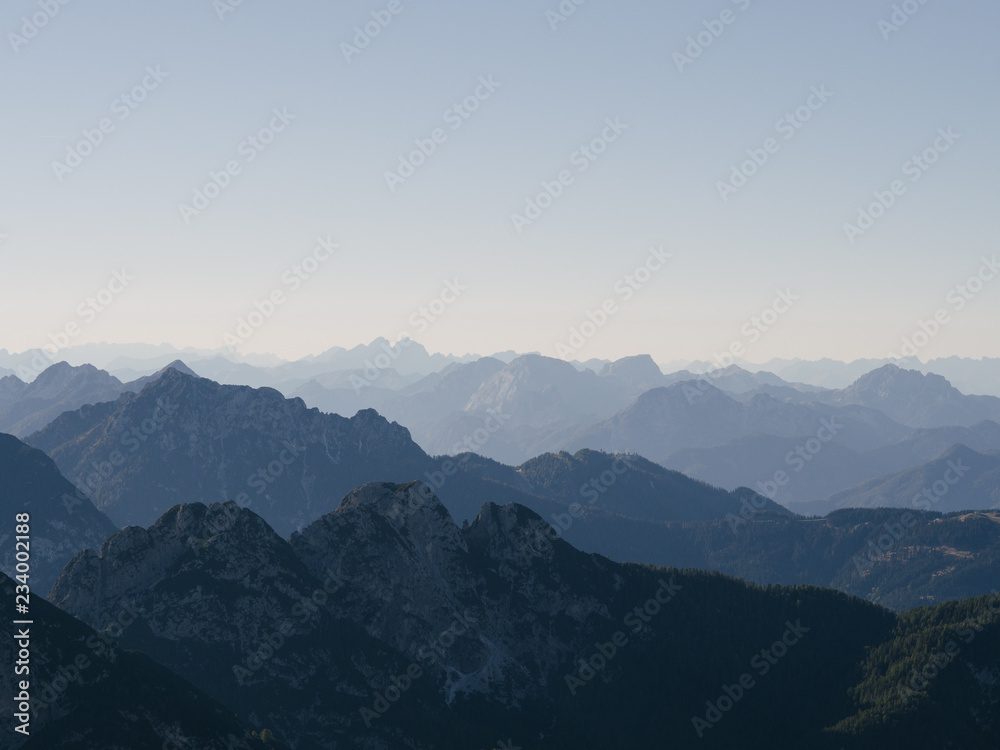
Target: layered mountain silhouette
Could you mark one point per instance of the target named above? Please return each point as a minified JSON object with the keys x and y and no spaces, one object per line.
{"x":212,"y":443}
{"x":188,"y":437}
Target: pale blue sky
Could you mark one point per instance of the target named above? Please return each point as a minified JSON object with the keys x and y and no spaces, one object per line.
{"x":655,"y":185}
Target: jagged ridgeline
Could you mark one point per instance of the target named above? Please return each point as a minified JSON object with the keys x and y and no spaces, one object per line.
{"x":181,"y":438}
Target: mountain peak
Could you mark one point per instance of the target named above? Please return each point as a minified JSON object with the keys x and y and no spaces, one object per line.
{"x":179,"y":366}
{"x":512,"y":533}
{"x":412,"y":506}
{"x":640,"y":369}
{"x":900,"y":377}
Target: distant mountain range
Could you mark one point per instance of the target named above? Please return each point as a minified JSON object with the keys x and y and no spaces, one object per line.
{"x":129,"y":361}
{"x":466,"y":639}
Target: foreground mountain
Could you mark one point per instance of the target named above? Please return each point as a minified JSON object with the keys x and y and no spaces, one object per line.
{"x":89,"y":693}
{"x":484,"y":633}
{"x":62,"y":522}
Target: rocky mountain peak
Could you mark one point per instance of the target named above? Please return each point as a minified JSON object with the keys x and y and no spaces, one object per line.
{"x":639,"y":370}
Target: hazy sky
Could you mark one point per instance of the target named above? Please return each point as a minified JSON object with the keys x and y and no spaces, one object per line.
{"x":863,"y":101}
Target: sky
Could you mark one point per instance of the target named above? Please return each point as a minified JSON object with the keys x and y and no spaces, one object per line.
{"x":585,"y":181}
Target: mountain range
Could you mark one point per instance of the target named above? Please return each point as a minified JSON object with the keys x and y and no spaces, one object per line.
{"x":183,"y":437}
